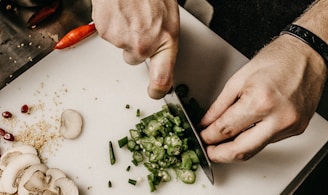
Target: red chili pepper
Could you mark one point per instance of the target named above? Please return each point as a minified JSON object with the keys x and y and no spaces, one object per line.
{"x":44,"y":13}
{"x":76,"y":35}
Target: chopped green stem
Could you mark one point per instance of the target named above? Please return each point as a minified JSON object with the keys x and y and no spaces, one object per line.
{"x":132,"y":181}
{"x":111,"y":153}
{"x":128,"y":168}
{"x":138,"y":113}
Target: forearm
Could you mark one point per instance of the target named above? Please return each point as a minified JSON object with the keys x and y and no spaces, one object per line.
{"x":315,"y":19}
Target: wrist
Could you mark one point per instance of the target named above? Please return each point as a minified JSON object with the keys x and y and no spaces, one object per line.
{"x":303,"y":55}
{"x":311,"y":40}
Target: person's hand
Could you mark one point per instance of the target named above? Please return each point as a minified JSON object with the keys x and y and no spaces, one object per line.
{"x":143,"y":29}
{"x":270,"y":98}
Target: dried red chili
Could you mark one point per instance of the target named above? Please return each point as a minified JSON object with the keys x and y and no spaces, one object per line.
{"x":44,"y":13}
{"x":76,"y":35}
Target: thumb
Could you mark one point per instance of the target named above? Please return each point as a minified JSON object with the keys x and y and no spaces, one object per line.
{"x":161,"y":70}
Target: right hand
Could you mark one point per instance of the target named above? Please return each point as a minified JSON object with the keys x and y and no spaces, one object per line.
{"x":143,"y":29}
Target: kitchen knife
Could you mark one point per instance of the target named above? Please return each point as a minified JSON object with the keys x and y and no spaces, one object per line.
{"x":175,"y":105}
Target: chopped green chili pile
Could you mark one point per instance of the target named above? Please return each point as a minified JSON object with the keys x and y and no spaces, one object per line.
{"x":160,"y":143}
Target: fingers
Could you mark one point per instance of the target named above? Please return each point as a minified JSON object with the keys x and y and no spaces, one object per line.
{"x":232,"y":116}
{"x":243,"y":147}
{"x":236,"y":119}
{"x":227,"y":97}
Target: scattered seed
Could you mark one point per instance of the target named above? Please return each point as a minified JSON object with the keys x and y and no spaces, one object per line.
{"x":6,"y":114}
{"x":2,"y":132}
{"x":24,"y":108}
{"x":9,"y":137}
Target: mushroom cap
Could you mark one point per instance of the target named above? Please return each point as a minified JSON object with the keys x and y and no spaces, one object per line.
{"x":52,"y":175}
{"x":36,"y":183}
{"x":66,"y":186}
{"x":16,"y":151}
{"x":71,"y":124}
{"x":17,"y":164}
{"x":27,"y":175}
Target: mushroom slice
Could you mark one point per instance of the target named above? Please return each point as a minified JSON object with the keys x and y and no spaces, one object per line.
{"x":10,"y":172}
{"x":66,"y":186}
{"x":71,"y":124}
{"x":36,"y":183}
{"x":16,"y":151}
{"x":52,"y":175}
{"x":27,"y":175}
{"x":49,"y":192}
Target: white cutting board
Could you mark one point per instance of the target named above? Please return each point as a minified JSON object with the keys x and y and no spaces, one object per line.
{"x":93,"y":79}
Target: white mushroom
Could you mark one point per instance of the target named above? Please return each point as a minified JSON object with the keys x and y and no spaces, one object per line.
{"x":52,"y":175}
{"x":27,"y":175}
{"x":16,"y":151}
{"x":22,"y":172}
{"x":9,"y":174}
{"x":36,"y":183}
{"x":66,"y":186}
{"x":71,"y":124}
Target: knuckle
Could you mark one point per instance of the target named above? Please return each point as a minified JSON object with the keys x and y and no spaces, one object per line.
{"x":226,"y":132}
{"x":242,"y":156}
{"x":263,"y":102}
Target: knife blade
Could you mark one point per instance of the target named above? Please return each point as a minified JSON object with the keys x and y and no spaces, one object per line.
{"x":174,"y":104}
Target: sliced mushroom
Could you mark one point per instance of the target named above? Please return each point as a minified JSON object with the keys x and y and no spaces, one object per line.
{"x":11,"y":171}
{"x":27,"y":175}
{"x":36,"y":183}
{"x":66,"y":186}
{"x":49,"y":192}
{"x":71,"y":124}
{"x":52,"y":175}
{"x":16,"y":151}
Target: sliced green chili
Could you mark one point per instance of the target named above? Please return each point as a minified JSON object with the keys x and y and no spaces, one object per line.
{"x":161,"y":142}
{"x":123,"y":141}
{"x":135,"y":162}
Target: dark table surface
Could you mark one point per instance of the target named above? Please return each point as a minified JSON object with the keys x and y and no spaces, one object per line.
{"x":249,"y":25}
